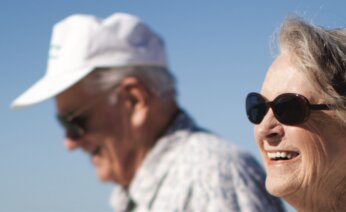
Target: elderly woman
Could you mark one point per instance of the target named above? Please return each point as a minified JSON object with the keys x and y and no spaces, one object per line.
{"x":300,"y":118}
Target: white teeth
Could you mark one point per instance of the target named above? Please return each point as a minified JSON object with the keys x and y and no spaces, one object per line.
{"x":270,"y":155}
{"x":279,"y":155}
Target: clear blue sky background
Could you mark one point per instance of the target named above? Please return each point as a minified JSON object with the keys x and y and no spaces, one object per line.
{"x":218,"y":50}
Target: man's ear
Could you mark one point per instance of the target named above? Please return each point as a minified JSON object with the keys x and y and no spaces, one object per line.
{"x":137,"y":98}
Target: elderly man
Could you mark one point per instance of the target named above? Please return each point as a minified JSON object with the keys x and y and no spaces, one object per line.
{"x":116,"y":100}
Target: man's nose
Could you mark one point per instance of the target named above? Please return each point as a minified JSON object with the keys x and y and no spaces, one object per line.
{"x":71,"y":144}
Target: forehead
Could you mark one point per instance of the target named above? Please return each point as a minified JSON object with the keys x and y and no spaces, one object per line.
{"x":72,"y":99}
{"x":284,"y":77}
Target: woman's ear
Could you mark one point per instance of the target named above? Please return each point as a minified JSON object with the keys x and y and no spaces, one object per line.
{"x":137,"y":99}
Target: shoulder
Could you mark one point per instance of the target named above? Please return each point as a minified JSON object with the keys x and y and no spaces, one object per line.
{"x":211,"y":148}
{"x":224,"y":173}
{"x":209,"y":156}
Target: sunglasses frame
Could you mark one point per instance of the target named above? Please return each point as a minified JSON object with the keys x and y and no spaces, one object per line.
{"x":73,"y":128}
{"x":74,"y":123}
{"x":305,"y":105}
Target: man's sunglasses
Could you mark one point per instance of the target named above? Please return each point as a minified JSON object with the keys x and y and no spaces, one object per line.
{"x":75,"y":127}
{"x":75,"y":124}
{"x":288,"y":108}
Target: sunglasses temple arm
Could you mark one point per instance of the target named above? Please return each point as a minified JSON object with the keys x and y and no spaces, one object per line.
{"x":321,"y":107}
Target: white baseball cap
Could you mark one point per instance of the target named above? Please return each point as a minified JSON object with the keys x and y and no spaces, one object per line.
{"x":81,"y":43}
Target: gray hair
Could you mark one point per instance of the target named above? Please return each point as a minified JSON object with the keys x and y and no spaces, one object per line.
{"x":158,"y":80}
{"x":321,"y":54}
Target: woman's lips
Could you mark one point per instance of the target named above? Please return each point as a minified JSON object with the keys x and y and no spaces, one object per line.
{"x":279,"y":155}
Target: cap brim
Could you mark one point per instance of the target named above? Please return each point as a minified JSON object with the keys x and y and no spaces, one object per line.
{"x":47,"y":87}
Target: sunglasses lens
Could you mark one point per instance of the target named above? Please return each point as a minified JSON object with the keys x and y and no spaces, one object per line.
{"x":290,"y":109}
{"x":73,"y":129}
{"x":256,"y":107}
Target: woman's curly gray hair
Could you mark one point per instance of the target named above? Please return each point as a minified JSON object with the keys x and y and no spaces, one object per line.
{"x":321,"y":54}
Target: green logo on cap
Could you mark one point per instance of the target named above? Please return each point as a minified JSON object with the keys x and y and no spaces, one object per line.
{"x":53,"y":51}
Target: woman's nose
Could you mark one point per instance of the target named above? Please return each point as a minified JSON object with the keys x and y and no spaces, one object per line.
{"x":270,"y":129}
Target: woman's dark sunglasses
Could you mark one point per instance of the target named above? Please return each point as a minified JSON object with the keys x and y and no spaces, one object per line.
{"x":288,"y":108}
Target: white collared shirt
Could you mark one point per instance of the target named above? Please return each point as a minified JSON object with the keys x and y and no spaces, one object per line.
{"x":190,"y":169}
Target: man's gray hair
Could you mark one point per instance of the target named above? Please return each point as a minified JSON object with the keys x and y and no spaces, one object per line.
{"x":158,"y":80}
{"x":321,"y":54}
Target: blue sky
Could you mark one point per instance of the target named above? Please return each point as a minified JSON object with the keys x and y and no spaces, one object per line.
{"x":218,"y":50}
